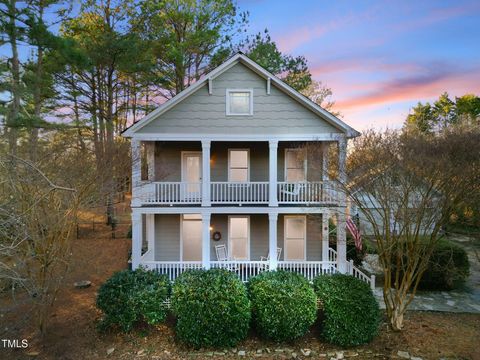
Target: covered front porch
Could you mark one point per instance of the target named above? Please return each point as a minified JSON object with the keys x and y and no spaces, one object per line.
{"x":241,"y":243}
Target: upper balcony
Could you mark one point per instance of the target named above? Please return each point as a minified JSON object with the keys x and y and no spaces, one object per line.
{"x":233,"y":173}
{"x":322,"y":193}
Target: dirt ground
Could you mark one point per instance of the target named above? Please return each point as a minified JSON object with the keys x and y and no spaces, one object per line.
{"x":72,"y":333}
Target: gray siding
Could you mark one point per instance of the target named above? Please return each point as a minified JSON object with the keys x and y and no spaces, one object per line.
{"x":218,"y":222}
{"x":167,"y":236}
{"x":258,"y":160}
{"x":168,"y":160}
{"x":276,"y":113}
{"x":258,"y":235}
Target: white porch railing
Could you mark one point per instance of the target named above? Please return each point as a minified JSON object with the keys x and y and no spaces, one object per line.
{"x":247,"y":269}
{"x":244,"y":269}
{"x":309,"y":269}
{"x":332,"y":255}
{"x":309,"y":192}
{"x":224,"y":192}
{"x":171,"y":193}
{"x":171,"y":268}
{"x":354,"y":271}
{"x":239,"y":192}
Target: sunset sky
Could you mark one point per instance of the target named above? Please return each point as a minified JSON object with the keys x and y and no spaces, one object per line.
{"x":379,"y":57}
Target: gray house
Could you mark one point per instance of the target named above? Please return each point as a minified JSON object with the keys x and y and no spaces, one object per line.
{"x":226,"y":186}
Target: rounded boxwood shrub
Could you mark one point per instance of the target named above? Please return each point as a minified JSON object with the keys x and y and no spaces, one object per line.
{"x":351,"y":315}
{"x":212,"y":308}
{"x":131,"y":296}
{"x":284,"y":305}
{"x":448,"y":267}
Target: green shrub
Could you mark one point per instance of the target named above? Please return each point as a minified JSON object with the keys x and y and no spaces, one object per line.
{"x":448,"y":267}
{"x":284,"y":305}
{"x":131,"y":296}
{"x":212,"y":308}
{"x":351,"y":315}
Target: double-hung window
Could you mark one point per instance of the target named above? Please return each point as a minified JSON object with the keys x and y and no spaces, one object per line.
{"x":295,"y":165}
{"x":238,"y":165}
{"x":295,"y":238}
{"x":239,"y":102}
{"x":239,"y":237}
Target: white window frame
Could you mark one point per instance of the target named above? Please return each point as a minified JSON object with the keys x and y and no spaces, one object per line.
{"x":181,"y":232}
{"x":304,"y":217}
{"x":286,"y":164}
{"x":227,"y":102}
{"x":248,"y":236}
{"x":248,"y":162}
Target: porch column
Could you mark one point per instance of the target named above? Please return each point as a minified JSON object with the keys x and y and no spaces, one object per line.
{"x":342,"y":157}
{"x":341,"y":241}
{"x":206,"y":240}
{"x":272,"y":240}
{"x":150,"y":226}
{"x":136,"y":171}
{"x":272,"y":173}
{"x":341,"y":210}
{"x":151,"y":160}
{"x":206,"y":173}
{"x":325,"y":236}
{"x":136,"y":238}
{"x":325,"y":147}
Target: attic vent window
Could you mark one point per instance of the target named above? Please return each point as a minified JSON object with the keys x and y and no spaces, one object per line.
{"x":239,"y":102}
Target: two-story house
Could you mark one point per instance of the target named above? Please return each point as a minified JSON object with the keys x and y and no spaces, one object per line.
{"x":226,"y":185}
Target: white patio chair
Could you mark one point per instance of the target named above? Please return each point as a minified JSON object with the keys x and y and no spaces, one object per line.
{"x":292,"y":191}
{"x":222,"y":255}
{"x":279,"y":253}
{"x":267,"y":259}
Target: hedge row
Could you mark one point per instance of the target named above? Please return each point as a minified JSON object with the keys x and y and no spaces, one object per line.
{"x":213,"y":308}
{"x":132,"y":296}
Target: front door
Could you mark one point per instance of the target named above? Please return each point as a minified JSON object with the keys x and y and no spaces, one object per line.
{"x":191,"y":237}
{"x":191,"y":175}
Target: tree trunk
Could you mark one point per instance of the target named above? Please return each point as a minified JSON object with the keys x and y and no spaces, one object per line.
{"x":15,"y":70}
{"x":37,"y":95}
{"x":109,"y":150}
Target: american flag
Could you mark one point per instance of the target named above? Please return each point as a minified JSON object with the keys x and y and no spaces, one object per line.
{"x":353,"y":229}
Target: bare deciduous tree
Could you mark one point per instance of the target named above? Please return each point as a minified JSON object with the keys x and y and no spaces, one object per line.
{"x":36,"y":222}
{"x":406,"y":186}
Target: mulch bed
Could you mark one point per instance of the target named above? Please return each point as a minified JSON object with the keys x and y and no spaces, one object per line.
{"x":73,"y":335}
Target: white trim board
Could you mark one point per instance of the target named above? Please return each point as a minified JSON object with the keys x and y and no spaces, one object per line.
{"x":239,"y":57}
{"x":238,"y":137}
{"x":234,"y":210}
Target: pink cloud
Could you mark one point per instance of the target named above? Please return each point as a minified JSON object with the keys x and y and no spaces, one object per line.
{"x":360,"y":65}
{"x":416,"y":88}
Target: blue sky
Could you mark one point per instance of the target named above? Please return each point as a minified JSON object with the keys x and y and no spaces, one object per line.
{"x":379,"y":57}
